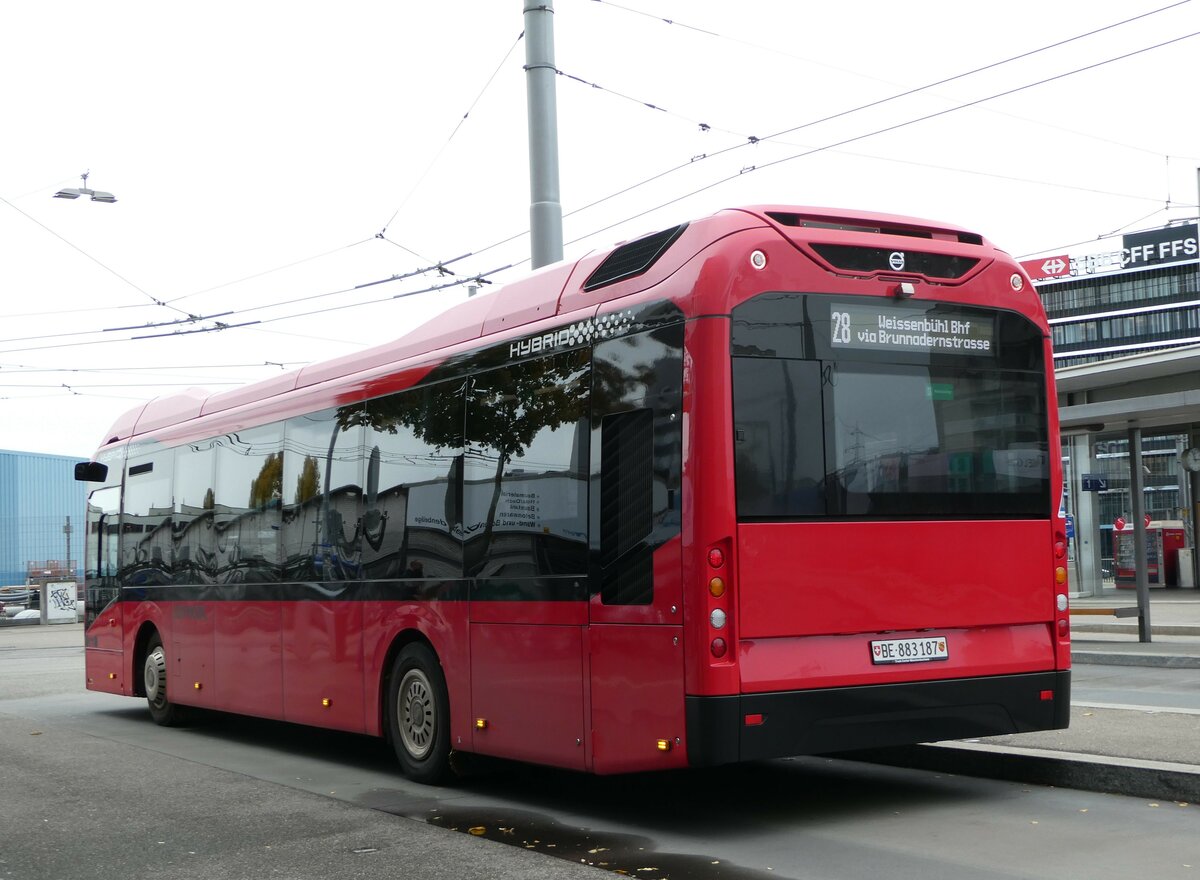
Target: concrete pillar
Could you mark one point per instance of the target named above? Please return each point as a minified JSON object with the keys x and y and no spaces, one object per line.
{"x":1087,"y":580}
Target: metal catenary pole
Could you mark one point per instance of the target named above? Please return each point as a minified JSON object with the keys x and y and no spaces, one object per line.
{"x":545,"y":207}
{"x":1138,"y":498}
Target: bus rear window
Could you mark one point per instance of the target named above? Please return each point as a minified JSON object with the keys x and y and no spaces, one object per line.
{"x":912,"y":436}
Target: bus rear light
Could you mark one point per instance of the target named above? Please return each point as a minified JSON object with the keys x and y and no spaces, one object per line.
{"x":1060,"y":549}
{"x":1046,"y":696}
{"x":1060,"y":601}
{"x":1060,"y":575}
{"x":716,"y":587}
{"x":1063,"y":628}
{"x":755,"y":719}
{"x":718,"y":648}
{"x":717,"y":618}
{"x":715,"y":557}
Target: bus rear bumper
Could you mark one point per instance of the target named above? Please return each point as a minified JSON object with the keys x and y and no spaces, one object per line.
{"x":749,"y":727}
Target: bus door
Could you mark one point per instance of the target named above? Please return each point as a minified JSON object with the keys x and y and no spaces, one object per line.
{"x":524,"y":526}
{"x":635,"y":610}
{"x":104,"y":657}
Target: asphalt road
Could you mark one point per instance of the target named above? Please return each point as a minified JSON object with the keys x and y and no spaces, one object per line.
{"x":91,"y":788}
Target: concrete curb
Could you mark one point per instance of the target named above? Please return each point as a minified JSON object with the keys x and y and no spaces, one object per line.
{"x":1134,"y":658}
{"x":1127,"y":776}
{"x":1189,"y":630}
{"x":1157,"y":660}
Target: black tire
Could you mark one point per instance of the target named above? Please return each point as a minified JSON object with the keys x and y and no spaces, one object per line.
{"x":154,"y":682}
{"x":418,"y":715}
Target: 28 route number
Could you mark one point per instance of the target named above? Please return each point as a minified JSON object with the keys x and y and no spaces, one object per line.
{"x":840,"y":327}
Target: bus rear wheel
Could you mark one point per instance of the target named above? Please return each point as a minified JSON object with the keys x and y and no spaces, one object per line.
{"x":154,"y":679}
{"x":418,"y":713}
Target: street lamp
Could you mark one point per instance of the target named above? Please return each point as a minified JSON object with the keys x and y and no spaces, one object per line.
{"x":96,"y":194}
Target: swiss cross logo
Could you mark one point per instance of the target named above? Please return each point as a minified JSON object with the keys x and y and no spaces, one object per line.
{"x":878,"y":651}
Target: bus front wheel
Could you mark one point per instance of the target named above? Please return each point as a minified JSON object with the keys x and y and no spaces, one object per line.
{"x":154,"y":679}
{"x":418,"y":711}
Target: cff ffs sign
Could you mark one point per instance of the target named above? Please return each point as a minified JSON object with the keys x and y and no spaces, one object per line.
{"x":1159,"y":247}
{"x":1139,"y":250}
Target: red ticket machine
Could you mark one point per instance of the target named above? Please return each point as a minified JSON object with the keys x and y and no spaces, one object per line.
{"x":1164,"y":540}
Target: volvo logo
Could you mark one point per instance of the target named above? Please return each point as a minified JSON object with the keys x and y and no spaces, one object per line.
{"x":896,"y":260}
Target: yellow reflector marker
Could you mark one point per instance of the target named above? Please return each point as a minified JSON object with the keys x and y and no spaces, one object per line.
{"x":326,"y":702}
{"x":716,"y":587}
{"x":664,"y":745}
{"x":197,"y":685}
{"x":481,"y":724}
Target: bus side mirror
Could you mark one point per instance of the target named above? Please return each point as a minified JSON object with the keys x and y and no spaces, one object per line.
{"x":91,"y":472}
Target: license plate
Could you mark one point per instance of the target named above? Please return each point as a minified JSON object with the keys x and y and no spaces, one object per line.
{"x":909,"y":650}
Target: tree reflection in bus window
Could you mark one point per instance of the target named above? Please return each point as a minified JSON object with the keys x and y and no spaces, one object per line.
{"x":249,"y":494}
{"x":322,"y":495}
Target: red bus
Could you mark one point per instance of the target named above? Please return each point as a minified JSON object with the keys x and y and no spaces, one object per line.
{"x":779,"y":481}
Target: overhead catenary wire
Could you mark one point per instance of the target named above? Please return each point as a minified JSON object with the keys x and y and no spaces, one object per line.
{"x":382,"y":234}
{"x":271,"y":271}
{"x":109,"y":269}
{"x":750,"y":169}
{"x":745,"y":170}
{"x":750,"y":141}
{"x":890,"y":128}
{"x":438,"y":155}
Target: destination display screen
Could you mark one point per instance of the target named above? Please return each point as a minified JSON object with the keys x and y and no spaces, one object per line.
{"x":873,"y":326}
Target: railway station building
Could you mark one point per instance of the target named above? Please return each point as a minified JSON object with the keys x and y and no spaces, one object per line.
{"x":1125,"y":318}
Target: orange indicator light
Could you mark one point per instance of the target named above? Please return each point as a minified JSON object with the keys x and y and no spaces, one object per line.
{"x":716,"y":587}
{"x":1060,"y":575}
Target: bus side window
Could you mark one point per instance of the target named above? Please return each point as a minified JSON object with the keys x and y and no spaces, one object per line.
{"x":524,"y":478}
{"x":249,"y":494}
{"x":322,"y":495}
{"x":193,"y":539}
{"x":146,"y":557}
{"x":413,"y":443}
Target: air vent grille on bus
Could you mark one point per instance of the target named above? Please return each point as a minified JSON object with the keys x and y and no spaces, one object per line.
{"x":633,"y":258}
{"x":864,"y":259}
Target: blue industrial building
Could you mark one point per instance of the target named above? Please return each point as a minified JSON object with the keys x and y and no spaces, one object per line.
{"x":38,"y":494}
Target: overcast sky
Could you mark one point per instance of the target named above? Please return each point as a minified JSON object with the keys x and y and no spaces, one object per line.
{"x":242,"y":138}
